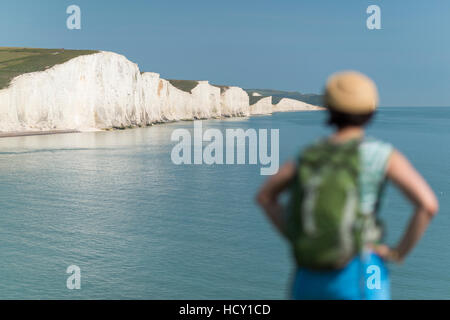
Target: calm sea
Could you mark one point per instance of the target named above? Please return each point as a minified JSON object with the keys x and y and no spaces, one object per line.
{"x":139,"y":226}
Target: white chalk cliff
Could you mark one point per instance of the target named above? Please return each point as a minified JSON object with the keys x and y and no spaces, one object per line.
{"x":287,"y":104}
{"x":262,"y":106}
{"x":106,"y":90}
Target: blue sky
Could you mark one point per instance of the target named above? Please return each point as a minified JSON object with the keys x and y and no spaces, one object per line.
{"x":284,"y":44}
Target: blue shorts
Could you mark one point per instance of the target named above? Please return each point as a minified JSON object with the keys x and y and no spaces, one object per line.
{"x":366,"y":277}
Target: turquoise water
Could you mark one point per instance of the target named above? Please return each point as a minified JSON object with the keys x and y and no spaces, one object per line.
{"x":139,"y":226}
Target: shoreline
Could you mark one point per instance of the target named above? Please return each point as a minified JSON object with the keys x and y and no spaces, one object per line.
{"x":14,"y":134}
{"x":34,"y":133}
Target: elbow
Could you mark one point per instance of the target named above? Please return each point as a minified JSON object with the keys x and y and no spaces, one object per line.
{"x":431,"y":206}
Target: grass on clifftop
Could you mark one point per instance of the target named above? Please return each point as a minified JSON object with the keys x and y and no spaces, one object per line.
{"x":222,"y":88}
{"x":188,"y":85}
{"x":255,"y":99}
{"x":17,"y":61}
{"x":185,"y":85}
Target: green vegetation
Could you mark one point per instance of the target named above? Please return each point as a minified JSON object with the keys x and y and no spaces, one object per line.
{"x":222,"y":88}
{"x":255,"y":99}
{"x":17,"y":61}
{"x":185,"y":85}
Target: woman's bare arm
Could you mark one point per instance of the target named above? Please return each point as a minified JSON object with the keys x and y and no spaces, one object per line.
{"x":403,"y":174}
{"x":268,"y":194}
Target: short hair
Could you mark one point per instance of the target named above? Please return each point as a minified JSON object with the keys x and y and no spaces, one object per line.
{"x":342,"y":120}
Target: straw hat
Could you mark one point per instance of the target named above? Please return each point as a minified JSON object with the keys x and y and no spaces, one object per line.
{"x":351,"y":92}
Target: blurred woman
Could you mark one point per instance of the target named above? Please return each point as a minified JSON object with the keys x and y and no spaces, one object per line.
{"x":336,"y":186}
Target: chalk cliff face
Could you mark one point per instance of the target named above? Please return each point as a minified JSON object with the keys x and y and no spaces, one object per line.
{"x":94,"y":91}
{"x":262,"y":106}
{"x":106,"y":90}
{"x":287,"y":104}
{"x":265,"y":106}
{"x":164,"y":102}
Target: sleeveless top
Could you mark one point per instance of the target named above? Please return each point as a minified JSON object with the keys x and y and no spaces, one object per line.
{"x":374,"y":159}
{"x":374,"y":155}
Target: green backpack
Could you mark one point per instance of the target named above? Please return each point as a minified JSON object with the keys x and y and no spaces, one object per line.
{"x":324,"y":222}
